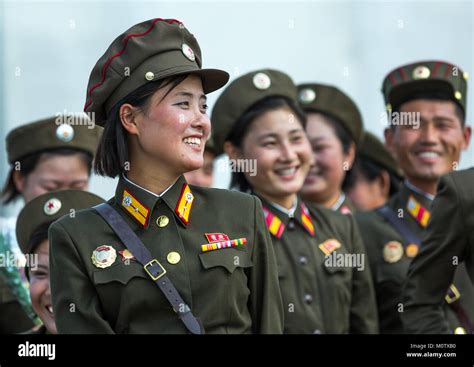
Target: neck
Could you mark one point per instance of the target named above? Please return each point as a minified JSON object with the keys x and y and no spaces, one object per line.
{"x":426,"y":186}
{"x":326,"y":200}
{"x":286,"y":202}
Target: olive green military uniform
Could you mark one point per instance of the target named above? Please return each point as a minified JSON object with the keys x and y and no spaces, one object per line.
{"x":224,"y":269}
{"x":231,"y":290}
{"x":390,"y":252}
{"x":319,"y":296}
{"x":57,"y":132}
{"x":332,"y":102}
{"x":449,"y":241}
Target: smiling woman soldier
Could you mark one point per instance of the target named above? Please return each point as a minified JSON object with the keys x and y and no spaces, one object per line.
{"x":161,"y":257}
{"x":257,"y":118}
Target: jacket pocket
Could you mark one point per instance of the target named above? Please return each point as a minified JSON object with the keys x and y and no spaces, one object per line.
{"x":121,"y":273}
{"x":228,"y":258}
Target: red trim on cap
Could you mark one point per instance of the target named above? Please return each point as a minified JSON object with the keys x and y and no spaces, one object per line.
{"x":448,"y":68}
{"x":125,"y":41}
{"x":435,"y":68}
{"x":402,"y":73}
{"x":392,"y":79}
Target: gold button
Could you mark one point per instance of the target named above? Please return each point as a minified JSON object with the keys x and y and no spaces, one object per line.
{"x":173,"y":258}
{"x":458,"y":95}
{"x":459,"y":330}
{"x":149,"y":75}
{"x":162,"y":221}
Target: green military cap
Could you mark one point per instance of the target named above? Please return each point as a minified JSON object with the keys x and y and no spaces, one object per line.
{"x":409,"y":81}
{"x":333,"y":102}
{"x":148,"y":51}
{"x":61,"y":131}
{"x":373,"y":149}
{"x":48,"y":207}
{"x":242,"y":94}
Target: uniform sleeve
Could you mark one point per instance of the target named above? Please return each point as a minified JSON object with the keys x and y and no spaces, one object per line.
{"x":266,"y":304}
{"x":76,"y":305}
{"x":432,"y":271}
{"x":363,"y":313}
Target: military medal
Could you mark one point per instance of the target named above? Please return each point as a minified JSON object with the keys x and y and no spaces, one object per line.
{"x":126,"y":255}
{"x":412,"y":250}
{"x":103,"y":256}
{"x":392,"y":252}
{"x":216,"y":237}
{"x":329,"y":246}
{"x":224,"y":244}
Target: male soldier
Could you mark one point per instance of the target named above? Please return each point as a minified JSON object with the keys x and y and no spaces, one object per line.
{"x":426,"y":103}
{"x":375,"y":175}
{"x":432,"y":271}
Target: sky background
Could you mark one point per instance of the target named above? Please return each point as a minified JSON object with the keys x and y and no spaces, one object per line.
{"x":47,"y":49}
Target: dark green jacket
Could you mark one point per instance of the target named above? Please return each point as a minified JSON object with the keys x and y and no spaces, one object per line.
{"x":321,"y":297}
{"x":231,"y":290}
{"x":449,"y":241}
{"x":389,"y":277}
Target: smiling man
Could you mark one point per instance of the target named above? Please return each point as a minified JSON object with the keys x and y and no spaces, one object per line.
{"x":426,"y":146}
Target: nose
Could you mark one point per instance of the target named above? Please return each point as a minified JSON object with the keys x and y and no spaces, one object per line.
{"x":429,"y":133}
{"x":202,"y":122}
{"x":287,"y":152}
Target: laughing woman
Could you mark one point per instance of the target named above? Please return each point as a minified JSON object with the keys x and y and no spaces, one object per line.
{"x":257,"y":118}
{"x":162,"y":256}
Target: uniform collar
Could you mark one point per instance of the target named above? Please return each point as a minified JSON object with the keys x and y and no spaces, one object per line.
{"x":278,"y":218}
{"x":139,"y":202}
{"x":413,"y":188}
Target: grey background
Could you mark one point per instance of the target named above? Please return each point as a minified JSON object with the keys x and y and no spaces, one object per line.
{"x":47,"y":49}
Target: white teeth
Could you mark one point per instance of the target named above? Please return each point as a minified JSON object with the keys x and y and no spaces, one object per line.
{"x":428,"y":154}
{"x":192,"y":141}
{"x":286,"y":171}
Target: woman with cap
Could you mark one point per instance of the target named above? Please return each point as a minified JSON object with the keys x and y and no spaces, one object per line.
{"x":32,"y":233}
{"x":375,"y":175}
{"x":161,"y":256}
{"x":51,"y":154}
{"x":257,"y":119}
{"x":334,"y":129}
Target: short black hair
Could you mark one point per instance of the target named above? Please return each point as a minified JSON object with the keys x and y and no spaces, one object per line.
{"x":39,"y":235}
{"x":432,"y":96}
{"x":112,"y":153}
{"x":370,"y":170}
{"x":242,"y":127}
{"x":29,"y":163}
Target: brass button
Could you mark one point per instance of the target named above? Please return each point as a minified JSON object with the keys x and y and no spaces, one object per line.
{"x":173,"y":257}
{"x":162,"y":221}
{"x":460,"y":330}
{"x":149,"y":75}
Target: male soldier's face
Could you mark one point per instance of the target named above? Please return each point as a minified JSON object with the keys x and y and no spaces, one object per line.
{"x":53,"y":172}
{"x":278,"y":143}
{"x":433,"y":148}
{"x":171,"y":133}
{"x":40,"y":291}
{"x":202,"y":176}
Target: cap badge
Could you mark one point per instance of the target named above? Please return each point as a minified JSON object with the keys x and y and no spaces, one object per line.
{"x":421,"y":72}
{"x":103,"y":256}
{"x":188,"y":52}
{"x":52,"y":206}
{"x":149,"y":75}
{"x":65,"y":132}
{"x":307,"y":95}
{"x":261,"y":81}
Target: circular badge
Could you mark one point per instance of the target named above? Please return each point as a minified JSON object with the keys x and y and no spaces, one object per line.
{"x":52,"y":206}
{"x":189,"y":197}
{"x":307,"y":95}
{"x":421,"y":72}
{"x":392,"y":251}
{"x":162,"y":221}
{"x":261,"y":81}
{"x":150,"y":75}
{"x":65,"y":132}
{"x":127,"y":201}
{"x":412,"y":250}
{"x":188,"y":52}
{"x":103,"y":256}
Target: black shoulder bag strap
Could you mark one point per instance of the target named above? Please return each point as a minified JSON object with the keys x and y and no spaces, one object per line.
{"x":152,"y":267}
{"x":453,"y":294}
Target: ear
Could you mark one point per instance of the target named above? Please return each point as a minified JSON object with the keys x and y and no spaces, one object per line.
{"x":232,"y":151}
{"x":18,"y":181}
{"x":350,"y":156}
{"x":467,"y":132}
{"x":128,"y":117}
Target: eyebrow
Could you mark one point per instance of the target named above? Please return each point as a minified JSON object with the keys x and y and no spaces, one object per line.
{"x":189,"y":94}
{"x":56,"y":182}
{"x":275,"y":135}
